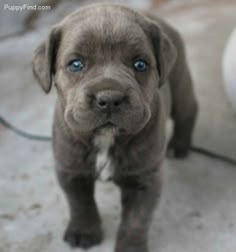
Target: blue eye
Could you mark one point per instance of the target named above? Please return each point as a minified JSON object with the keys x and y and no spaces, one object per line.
{"x":76,"y":65}
{"x":140,"y":65}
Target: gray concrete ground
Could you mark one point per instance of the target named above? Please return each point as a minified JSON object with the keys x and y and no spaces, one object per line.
{"x":197,"y":211}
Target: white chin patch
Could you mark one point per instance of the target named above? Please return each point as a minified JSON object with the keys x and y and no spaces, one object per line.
{"x":104,"y":165}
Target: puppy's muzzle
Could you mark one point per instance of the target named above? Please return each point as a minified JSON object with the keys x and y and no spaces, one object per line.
{"x":109,"y":101}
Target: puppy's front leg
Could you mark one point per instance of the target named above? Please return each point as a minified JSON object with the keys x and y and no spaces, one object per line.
{"x":139,"y":197}
{"x":84,"y":229}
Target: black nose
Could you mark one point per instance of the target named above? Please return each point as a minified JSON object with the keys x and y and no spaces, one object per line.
{"x":109,"y":101}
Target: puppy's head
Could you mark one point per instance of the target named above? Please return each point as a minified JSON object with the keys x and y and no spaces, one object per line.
{"x":107,"y":63}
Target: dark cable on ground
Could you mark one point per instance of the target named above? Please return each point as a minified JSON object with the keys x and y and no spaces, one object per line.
{"x":195,"y":149}
{"x":23,"y":133}
{"x":212,"y":154}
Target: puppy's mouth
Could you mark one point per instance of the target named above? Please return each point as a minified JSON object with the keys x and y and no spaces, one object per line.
{"x":110,"y":126}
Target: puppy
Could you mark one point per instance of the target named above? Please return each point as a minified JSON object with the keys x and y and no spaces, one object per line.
{"x":119,"y":74}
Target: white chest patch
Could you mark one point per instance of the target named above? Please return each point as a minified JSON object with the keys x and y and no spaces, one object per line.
{"x":104,"y":164}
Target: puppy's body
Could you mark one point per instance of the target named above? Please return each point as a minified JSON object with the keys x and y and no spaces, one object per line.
{"x":110,"y":115}
{"x":104,"y":163}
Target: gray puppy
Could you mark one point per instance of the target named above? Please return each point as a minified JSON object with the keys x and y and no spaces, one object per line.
{"x":119,"y":74}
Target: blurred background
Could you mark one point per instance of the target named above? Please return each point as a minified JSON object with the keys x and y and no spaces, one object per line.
{"x":197,"y":209}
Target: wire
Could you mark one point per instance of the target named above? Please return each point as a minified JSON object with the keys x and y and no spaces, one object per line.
{"x":212,"y":154}
{"x":23,"y":133}
{"x":195,"y":149}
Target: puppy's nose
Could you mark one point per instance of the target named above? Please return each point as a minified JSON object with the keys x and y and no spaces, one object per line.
{"x":109,"y":101}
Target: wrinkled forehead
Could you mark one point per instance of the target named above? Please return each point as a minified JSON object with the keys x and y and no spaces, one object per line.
{"x":103,"y":31}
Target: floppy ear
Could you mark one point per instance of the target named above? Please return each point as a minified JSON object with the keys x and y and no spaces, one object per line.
{"x":44,"y":60}
{"x":165,"y":51}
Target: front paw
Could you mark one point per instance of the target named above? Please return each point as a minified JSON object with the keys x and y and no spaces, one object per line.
{"x":82,"y":238}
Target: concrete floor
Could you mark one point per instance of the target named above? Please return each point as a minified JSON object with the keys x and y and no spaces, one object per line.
{"x":197,"y":211}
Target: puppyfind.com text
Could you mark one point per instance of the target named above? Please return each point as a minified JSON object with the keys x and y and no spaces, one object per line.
{"x":24,"y":7}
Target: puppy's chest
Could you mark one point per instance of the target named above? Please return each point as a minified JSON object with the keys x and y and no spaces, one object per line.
{"x":103,"y":161}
